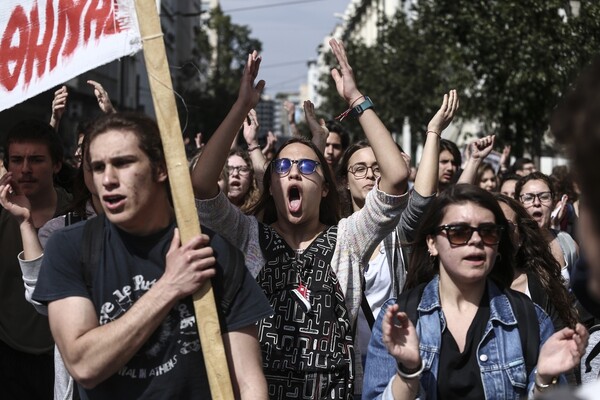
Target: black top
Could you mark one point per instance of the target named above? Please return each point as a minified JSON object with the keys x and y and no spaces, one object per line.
{"x":459,"y":376}
{"x":170,"y":364}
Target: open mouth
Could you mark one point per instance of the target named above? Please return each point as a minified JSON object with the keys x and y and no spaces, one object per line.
{"x":476,"y":258}
{"x":537,"y":214}
{"x":294,"y":199}
{"x":113,"y":201}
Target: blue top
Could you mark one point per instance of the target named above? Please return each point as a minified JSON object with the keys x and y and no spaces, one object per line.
{"x":500,"y":357}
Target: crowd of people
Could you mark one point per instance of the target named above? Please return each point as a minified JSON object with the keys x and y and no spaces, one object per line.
{"x":339,"y":272}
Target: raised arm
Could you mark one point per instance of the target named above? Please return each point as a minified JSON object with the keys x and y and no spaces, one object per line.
{"x":250,"y":130}
{"x":290,"y":108}
{"x":91,"y":352}
{"x":427,"y":175}
{"x":59,"y":104}
{"x":18,"y":205}
{"x":103,"y":98}
{"x":479,"y":151}
{"x":206,"y":174}
{"x":318,"y":128}
{"x":394,"y":171}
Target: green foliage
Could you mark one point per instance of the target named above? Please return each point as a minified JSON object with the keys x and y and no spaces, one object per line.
{"x":510,"y":62}
{"x":210,"y":87}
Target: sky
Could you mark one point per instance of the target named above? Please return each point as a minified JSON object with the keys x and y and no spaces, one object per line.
{"x":290,"y":34}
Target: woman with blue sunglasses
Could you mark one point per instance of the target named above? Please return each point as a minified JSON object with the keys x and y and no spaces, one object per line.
{"x":308,"y":262}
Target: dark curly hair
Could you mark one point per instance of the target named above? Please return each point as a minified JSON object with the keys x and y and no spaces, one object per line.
{"x":534,"y":176}
{"x":422,"y":268}
{"x":534,"y":256}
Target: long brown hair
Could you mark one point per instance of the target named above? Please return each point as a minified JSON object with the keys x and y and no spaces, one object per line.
{"x":253,"y":195}
{"x":329,"y":210}
{"x":534,"y":256}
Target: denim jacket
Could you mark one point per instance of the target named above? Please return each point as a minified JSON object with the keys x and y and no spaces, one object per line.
{"x":500,"y":358}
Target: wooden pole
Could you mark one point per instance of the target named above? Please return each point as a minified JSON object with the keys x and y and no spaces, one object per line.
{"x":159,"y":76}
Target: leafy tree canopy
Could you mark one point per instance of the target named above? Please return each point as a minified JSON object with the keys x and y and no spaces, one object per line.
{"x":510,"y":62}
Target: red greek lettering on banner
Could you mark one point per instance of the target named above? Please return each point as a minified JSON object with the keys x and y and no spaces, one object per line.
{"x":67,"y":26}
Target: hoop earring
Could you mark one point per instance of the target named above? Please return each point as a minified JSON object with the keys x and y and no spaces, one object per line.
{"x":498,"y":257}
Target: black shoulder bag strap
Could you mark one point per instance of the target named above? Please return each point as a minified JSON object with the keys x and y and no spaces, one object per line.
{"x":93,"y":245}
{"x":366,"y":309}
{"x":528,"y":326}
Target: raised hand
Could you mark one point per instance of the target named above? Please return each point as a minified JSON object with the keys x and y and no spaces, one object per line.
{"x":400,"y":338}
{"x":290,"y":108}
{"x":445,"y":114}
{"x":344,"y":77}
{"x":562,"y":352}
{"x":249,"y":94}
{"x":12,"y":201}
{"x":250,"y":129}
{"x":559,"y":211}
{"x":102,"y":96}
{"x":505,"y":156}
{"x":317,"y":128}
{"x":59,"y":104}
{"x":482,"y":147}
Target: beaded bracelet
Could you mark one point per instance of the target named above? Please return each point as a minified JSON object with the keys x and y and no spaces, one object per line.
{"x":412,"y":375}
{"x":251,"y":149}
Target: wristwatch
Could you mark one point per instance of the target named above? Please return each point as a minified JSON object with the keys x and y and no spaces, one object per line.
{"x":361,"y":108}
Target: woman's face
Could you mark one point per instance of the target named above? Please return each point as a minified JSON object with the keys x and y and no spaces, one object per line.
{"x":540,"y":210}
{"x":513,"y":225}
{"x":488,"y":181}
{"x":298,"y":196}
{"x":361,"y":181}
{"x":508,"y":188}
{"x":472,"y":261}
{"x":240,"y":179}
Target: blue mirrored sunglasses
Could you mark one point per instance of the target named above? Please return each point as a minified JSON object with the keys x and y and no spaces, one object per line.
{"x":306,"y":166}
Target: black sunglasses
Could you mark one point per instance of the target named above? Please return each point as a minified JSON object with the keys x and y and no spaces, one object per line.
{"x":306,"y":166}
{"x":460,"y":234}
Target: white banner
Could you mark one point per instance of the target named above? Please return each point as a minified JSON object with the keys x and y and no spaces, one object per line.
{"x":44,"y":43}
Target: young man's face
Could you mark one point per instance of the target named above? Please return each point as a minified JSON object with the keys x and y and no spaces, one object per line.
{"x":447,"y":167}
{"x":32,"y":168}
{"x":122,"y":174}
{"x":527,"y":169}
{"x":333,"y":149}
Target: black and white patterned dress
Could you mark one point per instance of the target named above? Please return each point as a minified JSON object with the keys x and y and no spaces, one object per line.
{"x":307,"y":344}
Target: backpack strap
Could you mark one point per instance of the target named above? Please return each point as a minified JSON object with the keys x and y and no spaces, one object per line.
{"x":233,"y":262}
{"x":408,"y":301}
{"x":528,"y":326}
{"x":92,"y":248}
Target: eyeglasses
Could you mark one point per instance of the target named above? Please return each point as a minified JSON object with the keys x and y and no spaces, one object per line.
{"x":460,"y":234}
{"x":360,"y":170}
{"x":306,"y":166}
{"x":243,"y":170}
{"x":529,"y":198}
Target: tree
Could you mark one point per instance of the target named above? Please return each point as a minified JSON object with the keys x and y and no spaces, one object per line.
{"x":510,"y":61}
{"x":209,"y":86}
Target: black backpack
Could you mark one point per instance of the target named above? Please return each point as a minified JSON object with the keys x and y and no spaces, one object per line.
{"x":522,"y":306}
{"x":233,"y":260}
